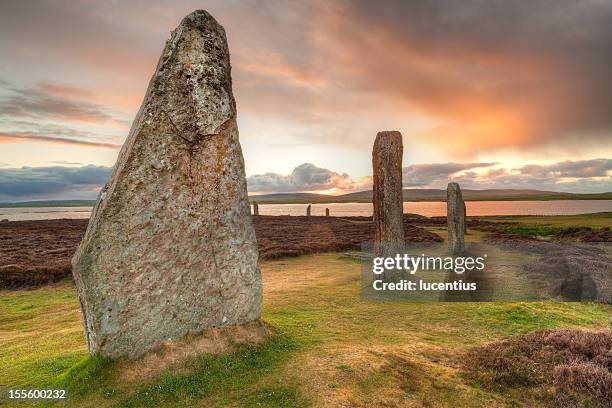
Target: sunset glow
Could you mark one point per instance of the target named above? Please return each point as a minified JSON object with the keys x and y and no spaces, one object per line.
{"x":524,"y":95}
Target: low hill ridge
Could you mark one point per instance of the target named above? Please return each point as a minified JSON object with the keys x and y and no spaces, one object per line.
{"x":410,"y":194}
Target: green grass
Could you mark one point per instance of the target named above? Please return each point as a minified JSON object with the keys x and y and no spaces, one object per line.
{"x":537,"y":229}
{"x":598,"y":220}
{"x":328,"y":348}
{"x":216,"y":380}
{"x":39,"y":339}
{"x":223,"y":380}
{"x":519,"y":318}
{"x":78,"y":379}
{"x":548,"y":226}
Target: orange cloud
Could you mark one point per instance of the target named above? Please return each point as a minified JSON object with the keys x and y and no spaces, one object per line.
{"x":275,"y":67}
{"x":26,"y":136}
{"x":461,"y":80}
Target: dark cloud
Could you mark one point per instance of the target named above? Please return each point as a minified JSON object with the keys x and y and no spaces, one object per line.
{"x":463,"y":79}
{"x":570,"y":169}
{"x":12,"y":131}
{"x":57,"y":182}
{"x":424,"y":174}
{"x":494,"y":74}
{"x":67,"y":163}
{"x":26,"y":136}
{"x":305,"y":177}
{"x":489,"y":75}
{"x":116,"y":38}
{"x":54,"y":182}
{"x":571,"y":176}
{"x":49,"y":101}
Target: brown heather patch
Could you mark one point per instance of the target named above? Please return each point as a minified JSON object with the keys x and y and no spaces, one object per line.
{"x":571,"y":366}
{"x":586,"y":234}
{"x":34,"y":253}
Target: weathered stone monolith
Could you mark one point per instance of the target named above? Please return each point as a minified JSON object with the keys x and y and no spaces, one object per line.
{"x":308,"y":210}
{"x":255,"y":208}
{"x":170,"y":248}
{"x":455,"y":210}
{"x":327,"y":212}
{"x":387,"y":198}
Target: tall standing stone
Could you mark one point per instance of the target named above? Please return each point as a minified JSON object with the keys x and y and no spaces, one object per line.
{"x":308,"y":210}
{"x":255,"y":208}
{"x":327,"y":212}
{"x":387,"y":198}
{"x":455,"y":210}
{"x":170,"y":248}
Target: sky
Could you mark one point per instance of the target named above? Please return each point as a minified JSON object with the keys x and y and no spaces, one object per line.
{"x":491,"y":94}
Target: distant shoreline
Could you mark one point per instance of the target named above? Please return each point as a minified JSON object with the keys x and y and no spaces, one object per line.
{"x":337,"y":200}
{"x":426,"y":200}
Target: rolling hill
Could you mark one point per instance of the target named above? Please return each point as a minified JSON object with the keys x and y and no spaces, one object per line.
{"x":412,"y":194}
{"x":421,"y":194}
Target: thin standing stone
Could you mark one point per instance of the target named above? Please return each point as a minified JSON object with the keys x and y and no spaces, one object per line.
{"x":387,"y":198}
{"x":308,"y":210}
{"x":255,"y":208}
{"x":455,"y":219}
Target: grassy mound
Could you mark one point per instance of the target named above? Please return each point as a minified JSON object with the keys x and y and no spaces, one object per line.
{"x":222,"y":379}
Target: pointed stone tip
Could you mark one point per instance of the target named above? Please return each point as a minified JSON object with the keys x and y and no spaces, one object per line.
{"x":193,"y":78}
{"x":198,"y":18}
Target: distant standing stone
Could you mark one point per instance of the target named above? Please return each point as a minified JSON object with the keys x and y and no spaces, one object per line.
{"x":455,"y":208}
{"x":255,"y":208}
{"x":327,"y":212}
{"x":308,"y":210}
{"x":170,"y":248}
{"x":387,"y":199}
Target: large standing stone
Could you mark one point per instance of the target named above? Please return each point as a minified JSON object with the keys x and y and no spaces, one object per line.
{"x":388,"y":200}
{"x":455,"y":211}
{"x":255,"y":208}
{"x":308,"y":209}
{"x":170,"y":248}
